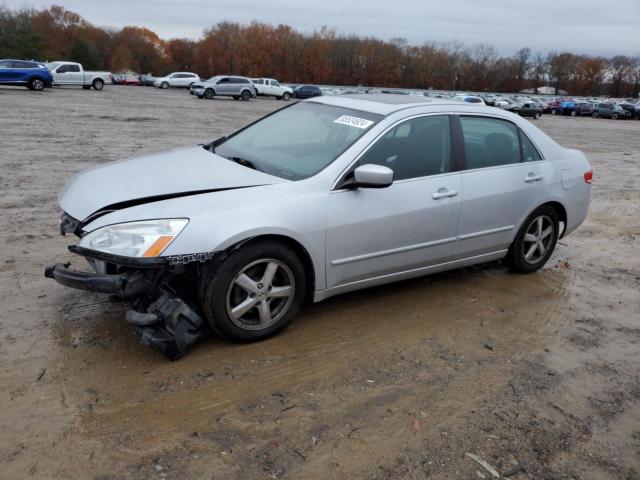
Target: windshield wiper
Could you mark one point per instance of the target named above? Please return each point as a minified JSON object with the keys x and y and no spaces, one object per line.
{"x":244,"y":162}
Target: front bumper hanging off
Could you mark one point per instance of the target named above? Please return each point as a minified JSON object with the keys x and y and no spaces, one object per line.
{"x":163,"y":320}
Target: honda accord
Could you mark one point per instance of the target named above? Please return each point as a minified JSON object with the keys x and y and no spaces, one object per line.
{"x":326,"y":196}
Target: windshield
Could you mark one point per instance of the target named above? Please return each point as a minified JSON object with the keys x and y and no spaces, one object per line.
{"x":214,"y":79}
{"x":52,"y":65}
{"x":298,"y":141}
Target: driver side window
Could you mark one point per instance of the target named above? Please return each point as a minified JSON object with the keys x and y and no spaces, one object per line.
{"x":416,"y":148}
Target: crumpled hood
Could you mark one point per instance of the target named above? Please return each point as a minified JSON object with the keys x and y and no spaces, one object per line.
{"x":155,"y":177}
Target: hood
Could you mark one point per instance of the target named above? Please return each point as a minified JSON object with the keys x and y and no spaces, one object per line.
{"x":175,"y":173}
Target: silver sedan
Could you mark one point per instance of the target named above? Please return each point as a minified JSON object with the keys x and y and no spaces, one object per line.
{"x":325,"y":196}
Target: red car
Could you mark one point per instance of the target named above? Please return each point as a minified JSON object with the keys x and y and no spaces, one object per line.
{"x":126,"y":79}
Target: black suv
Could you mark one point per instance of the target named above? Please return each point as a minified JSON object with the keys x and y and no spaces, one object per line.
{"x":633,"y":109}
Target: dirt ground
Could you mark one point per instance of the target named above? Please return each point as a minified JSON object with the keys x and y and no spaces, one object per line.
{"x":537,"y":374}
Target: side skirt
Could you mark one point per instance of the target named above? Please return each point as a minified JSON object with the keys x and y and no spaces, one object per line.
{"x":407,"y":274}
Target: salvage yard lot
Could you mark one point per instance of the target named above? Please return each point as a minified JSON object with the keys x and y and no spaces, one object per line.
{"x":397,"y":382}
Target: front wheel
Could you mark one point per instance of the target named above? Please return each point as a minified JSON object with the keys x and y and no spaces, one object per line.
{"x":554,"y":111}
{"x":254,"y":292}
{"x":595,"y":114}
{"x":245,"y":95}
{"x":573,"y":113}
{"x":535,"y":241}
{"x":615,"y":116}
{"x":36,"y":84}
{"x":286,"y":96}
{"x":209,"y":94}
{"x":164,"y":85}
{"x":537,"y":115}
{"x":97,"y":84}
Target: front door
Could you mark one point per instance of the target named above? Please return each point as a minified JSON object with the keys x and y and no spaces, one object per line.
{"x":408,"y":225}
{"x":69,"y":74}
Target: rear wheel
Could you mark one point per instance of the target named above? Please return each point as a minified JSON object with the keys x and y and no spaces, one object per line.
{"x":615,"y":116}
{"x":254,"y":292}
{"x":595,"y":114}
{"x":537,"y":115}
{"x":209,"y":94}
{"x":553,"y":111}
{"x":573,"y":113}
{"x":245,"y":95}
{"x":97,"y":84}
{"x":535,"y":241}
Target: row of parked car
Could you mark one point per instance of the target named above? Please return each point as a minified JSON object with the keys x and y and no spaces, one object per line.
{"x":238,"y":87}
{"x":38,"y":76}
{"x":529,"y":107}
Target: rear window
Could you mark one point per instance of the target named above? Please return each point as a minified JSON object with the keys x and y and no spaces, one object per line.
{"x":489,"y":142}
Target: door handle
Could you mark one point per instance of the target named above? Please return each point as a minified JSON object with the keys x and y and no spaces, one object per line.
{"x":532,"y":177}
{"x":444,"y":193}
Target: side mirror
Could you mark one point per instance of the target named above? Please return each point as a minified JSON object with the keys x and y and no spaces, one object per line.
{"x":372,"y":176}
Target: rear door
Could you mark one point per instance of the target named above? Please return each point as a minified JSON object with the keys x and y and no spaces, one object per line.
{"x":411,"y":224}
{"x":504,"y":178}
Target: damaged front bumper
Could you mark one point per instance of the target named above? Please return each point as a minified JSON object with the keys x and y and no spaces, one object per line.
{"x":124,"y":286}
{"x":163,"y":308}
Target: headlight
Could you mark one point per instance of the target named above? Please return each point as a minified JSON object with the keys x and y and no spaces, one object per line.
{"x":148,"y":238}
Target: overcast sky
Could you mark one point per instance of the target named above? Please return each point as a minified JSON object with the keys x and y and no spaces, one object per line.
{"x":603,"y":27}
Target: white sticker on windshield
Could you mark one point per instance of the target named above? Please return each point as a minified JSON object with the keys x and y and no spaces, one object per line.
{"x":354,"y":121}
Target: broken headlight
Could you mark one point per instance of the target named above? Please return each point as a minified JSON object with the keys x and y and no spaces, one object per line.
{"x":148,"y":238}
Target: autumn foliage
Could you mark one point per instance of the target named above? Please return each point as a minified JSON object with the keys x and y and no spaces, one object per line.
{"x":321,"y":57}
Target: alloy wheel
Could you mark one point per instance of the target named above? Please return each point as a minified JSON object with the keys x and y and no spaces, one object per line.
{"x":538,"y":239}
{"x":260,"y":294}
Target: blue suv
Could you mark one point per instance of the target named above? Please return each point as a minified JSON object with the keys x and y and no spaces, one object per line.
{"x":32,"y":75}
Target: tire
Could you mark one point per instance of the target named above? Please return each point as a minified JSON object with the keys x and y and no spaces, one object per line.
{"x":209,"y":94}
{"x":554,"y":111}
{"x":36,"y":84}
{"x":239,"y":279}
{"x":522,"y":257}
{"x":595,"y":114}
{"x":164,"y":85}
{"x":97,"y":84}
{"x":574,"y":113}
{"x":537,"y":115}
{"x":286,"y":96}
{"x":615,"y":116}
{"x":245,"y":95}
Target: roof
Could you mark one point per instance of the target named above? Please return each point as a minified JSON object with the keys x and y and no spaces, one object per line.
{"x":380,"y":103}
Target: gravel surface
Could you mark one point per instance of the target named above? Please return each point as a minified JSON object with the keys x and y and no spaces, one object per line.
{"x":537,"y":375}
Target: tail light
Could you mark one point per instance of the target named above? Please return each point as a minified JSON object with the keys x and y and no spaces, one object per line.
{"x":588,"y":176}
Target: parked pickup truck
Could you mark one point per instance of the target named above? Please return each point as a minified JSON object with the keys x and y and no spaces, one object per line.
{"x":268,"y":87}
{"x":71,"y":73}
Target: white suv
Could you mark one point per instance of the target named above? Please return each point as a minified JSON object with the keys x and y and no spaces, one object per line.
{"x":177,"y":79}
